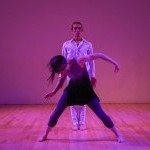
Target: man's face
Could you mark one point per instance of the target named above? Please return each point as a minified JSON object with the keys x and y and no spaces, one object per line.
{"x":77,"y":30}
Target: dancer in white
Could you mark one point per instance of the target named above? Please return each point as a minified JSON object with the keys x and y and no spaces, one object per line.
{"x":74,"y":48}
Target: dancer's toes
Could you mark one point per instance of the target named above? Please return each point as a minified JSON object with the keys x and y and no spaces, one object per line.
{"x":120,"y":139}
{"x":42,"y":139}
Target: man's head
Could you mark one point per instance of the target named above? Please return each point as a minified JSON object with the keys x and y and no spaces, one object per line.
{"x":75,"y":25}
{"x":77,"y":29}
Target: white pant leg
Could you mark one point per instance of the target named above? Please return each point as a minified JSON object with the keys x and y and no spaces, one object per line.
{"x":74,"y":114}
{"x":82,"y":114}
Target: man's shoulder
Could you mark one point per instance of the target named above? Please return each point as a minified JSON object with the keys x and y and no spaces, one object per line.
{"x":87,"y":42}
{"x":67,"y":42}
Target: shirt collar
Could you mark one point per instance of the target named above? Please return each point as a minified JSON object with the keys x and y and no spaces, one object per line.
{"x":72,"y":40}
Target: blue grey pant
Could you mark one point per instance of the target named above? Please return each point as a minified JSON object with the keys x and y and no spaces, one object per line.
{"x":93,"y":104}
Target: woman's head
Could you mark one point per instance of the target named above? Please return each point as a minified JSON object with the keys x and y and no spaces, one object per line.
{"x":56,"y":65}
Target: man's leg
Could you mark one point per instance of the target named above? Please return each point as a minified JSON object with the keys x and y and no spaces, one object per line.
{"x":82,"y":115}
{"x":75,"y":116}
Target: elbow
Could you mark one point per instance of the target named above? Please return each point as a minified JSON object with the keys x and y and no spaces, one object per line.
{"x":61,"y":86}
{"x":101,"y":55}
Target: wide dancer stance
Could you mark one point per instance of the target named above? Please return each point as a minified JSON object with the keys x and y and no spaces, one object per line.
{"x":79,"y":91}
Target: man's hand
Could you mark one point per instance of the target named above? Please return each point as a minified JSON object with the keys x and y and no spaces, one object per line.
{"x":93,"y":81}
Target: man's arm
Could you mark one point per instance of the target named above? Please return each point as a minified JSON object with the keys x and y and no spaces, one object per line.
{"x":64,"y":53}
{"x":91,"y":70}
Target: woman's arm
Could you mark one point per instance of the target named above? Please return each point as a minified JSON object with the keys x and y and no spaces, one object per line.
{"x":82,"y":60}
{"x":58,"y":85}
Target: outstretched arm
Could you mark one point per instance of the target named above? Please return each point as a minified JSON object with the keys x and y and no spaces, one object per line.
{"x":82,"y":60}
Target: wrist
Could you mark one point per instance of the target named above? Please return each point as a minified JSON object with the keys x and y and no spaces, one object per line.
{"x":54,"y":92}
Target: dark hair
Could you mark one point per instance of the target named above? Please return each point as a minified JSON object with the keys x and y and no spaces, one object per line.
{"x":55,"y":64}
{"x":76,"y":22}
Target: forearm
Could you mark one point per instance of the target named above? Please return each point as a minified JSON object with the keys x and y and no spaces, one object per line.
{"x":104,"y":57}
{"x":58,"y":85}
{"x":91,"y":70}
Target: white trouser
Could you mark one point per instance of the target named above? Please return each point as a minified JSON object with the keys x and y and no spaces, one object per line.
{"x":78,"y":114}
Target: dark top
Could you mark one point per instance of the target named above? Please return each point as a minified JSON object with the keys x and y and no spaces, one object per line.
{"x":79,"y":90}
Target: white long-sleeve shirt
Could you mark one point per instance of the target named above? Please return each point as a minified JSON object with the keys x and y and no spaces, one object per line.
{"x":71,"y":50}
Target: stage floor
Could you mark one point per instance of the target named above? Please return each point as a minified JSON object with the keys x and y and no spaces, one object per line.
{"x":22,"y":125}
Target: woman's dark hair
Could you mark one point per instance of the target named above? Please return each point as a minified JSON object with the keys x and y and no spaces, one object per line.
{"x":55,"y":64}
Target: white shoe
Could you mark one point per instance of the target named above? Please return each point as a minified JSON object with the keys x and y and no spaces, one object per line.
{"x":75,"y":127}
{"x":82,"y":127}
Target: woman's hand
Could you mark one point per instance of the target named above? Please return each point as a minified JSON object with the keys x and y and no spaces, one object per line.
{"x":116,"y":68}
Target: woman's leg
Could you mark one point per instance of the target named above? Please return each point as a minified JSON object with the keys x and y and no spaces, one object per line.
{"x":61,"y":106}
{"x":97,"y":109}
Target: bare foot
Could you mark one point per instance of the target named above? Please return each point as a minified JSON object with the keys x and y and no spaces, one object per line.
{"x":120,"y":139}
{"x":42,"y":139}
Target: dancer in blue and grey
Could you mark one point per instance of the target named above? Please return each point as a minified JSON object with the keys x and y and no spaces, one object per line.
{"x":79,"y":91}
